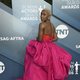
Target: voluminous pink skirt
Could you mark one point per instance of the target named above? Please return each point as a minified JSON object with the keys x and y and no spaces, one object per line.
{"x":45,"y":61}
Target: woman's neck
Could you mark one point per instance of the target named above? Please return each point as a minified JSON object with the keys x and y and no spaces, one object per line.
{"x":46,"y":20}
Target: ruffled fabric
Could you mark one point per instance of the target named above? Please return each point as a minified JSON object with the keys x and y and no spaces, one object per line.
{"x":46,"y":60}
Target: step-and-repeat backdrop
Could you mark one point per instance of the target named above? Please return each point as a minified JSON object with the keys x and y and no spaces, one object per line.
{"x":20,"y":24}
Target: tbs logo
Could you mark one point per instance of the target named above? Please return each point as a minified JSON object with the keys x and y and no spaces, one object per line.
{"x":62,"y":31}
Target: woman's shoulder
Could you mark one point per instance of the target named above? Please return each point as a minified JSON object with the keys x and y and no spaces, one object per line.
{"x":42,"y":25}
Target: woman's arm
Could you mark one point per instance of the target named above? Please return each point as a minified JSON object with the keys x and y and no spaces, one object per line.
{"x":40,"y":31}
{"x":54,"y":34}
{"x":55,"y":37}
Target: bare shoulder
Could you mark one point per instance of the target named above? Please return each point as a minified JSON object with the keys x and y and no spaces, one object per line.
{"x":42,"y":25}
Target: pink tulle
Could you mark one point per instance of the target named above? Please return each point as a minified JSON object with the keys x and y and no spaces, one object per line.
{"x":46,"y":61}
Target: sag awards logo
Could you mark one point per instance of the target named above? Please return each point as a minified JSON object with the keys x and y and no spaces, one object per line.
{"x":31,"y":12}
{"x":2,"y":67}
{"x":62,"y":31}
{"x":70,"y":4}
{"x":74,"y":68}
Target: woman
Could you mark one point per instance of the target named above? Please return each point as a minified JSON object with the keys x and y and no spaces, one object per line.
{"x":44,"y":59}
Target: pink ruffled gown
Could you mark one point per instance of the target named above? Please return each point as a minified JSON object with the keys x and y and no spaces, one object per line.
{"x":46,"y":60}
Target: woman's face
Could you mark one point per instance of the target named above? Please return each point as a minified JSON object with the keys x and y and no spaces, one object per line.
{"x":44,"y":16}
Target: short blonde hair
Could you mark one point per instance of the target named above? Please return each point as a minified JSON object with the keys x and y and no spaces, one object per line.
{"x":48,"y":11}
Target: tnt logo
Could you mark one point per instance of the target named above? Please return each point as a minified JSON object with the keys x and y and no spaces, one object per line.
{"x":2,"y":67}
{"x":62,"y":31}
